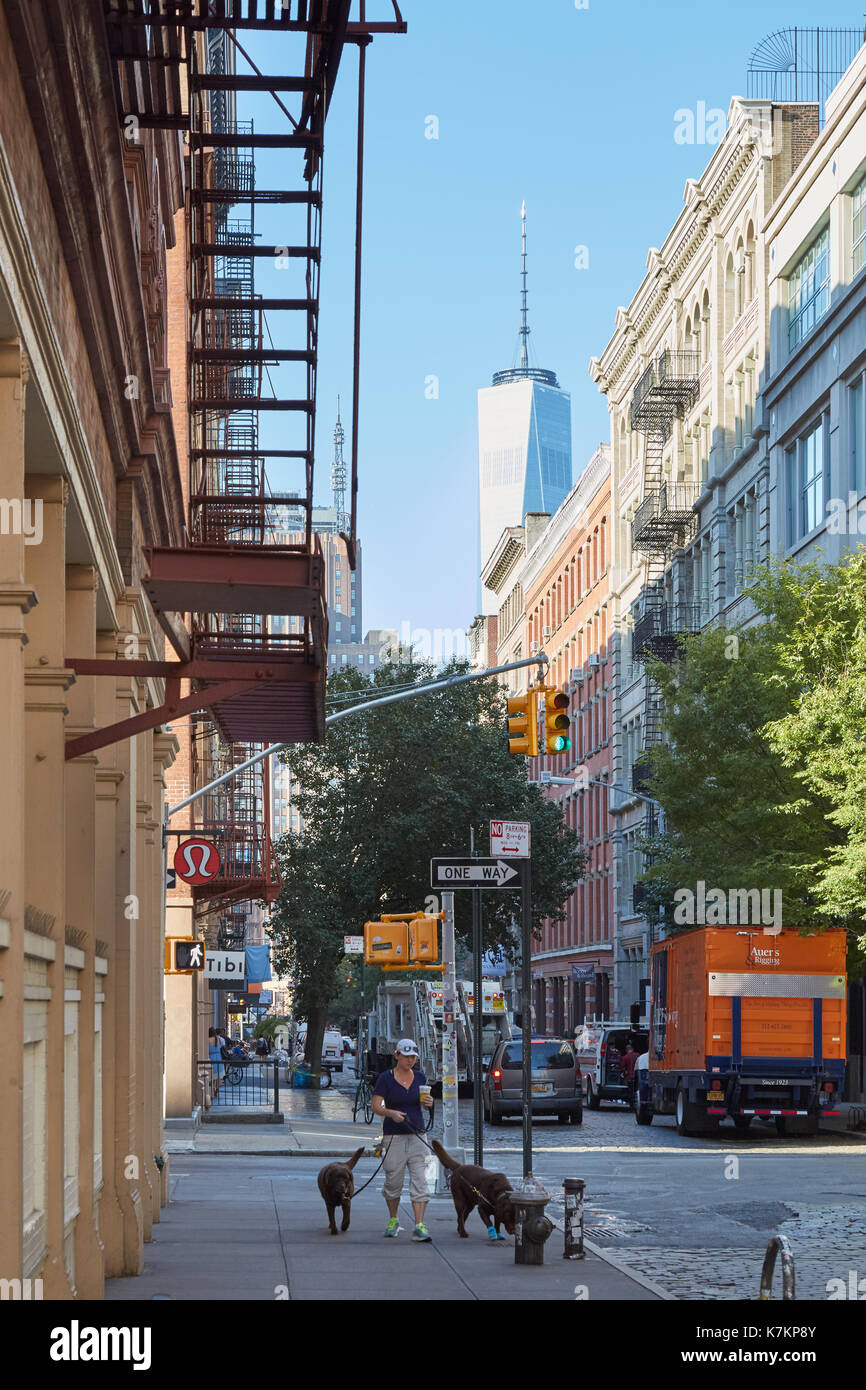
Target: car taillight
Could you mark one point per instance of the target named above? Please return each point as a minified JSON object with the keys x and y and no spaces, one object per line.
{"x":497,"y":1079}
{"x":603,"y":1049}
{"x":828,"y":1085}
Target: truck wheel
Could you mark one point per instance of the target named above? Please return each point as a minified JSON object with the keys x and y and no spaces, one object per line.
{"x":576,"y":1116}
{"x":562,"y":1117}
{"x":643,"y":1113}
{"x":742,"y":1121}
{"x":684,"y":1113}
{"x":592,"y":1100}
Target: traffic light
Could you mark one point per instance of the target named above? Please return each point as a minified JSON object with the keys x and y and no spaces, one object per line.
{"x":556,"y":722}
{"x":424,"y":939}
{"x":523,"y":724}
{"x":386,"y":942}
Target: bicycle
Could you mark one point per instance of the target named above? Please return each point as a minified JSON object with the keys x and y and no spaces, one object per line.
{"x":234,"y":1074}
{"x":364,"y":1100}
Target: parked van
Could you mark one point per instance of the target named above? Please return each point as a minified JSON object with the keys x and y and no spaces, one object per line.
{"x":555,"y":1081}
{"x":600,"y":1048}
{"x":333,"y":1050}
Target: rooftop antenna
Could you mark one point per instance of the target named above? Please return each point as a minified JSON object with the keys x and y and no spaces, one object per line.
{"x":524,"y":371}
{"x":338,"y":476}
{"x":524,"y":311}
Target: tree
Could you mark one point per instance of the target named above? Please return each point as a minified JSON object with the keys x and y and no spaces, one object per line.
{"x":736,"y":815}
{"x":820,"y":619}
{"x":390,"y":789}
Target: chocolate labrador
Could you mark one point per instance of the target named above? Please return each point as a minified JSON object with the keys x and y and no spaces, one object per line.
{"x":473,"y":1186}
{"x":337,"y":1186}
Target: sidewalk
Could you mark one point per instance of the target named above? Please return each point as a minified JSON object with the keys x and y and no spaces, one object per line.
{"x":317,"y":1123}
{"x":260,"y":1233}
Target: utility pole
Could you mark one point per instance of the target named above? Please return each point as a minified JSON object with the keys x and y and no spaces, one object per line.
{"x":450,"y":1121}
{"x":526,"y":1011}
{"x":477,"y":1021}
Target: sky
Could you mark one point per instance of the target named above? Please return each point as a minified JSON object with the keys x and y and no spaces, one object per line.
{"x":570,"y":108}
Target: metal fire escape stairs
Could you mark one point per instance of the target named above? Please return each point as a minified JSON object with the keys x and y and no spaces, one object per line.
{"x":250,"y":681}
{"x":663,"y":522}
{"x":227,"y":570}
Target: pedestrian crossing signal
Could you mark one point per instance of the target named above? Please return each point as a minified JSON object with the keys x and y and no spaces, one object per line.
{"x":184,"y":955}
{"x":556,"y":722}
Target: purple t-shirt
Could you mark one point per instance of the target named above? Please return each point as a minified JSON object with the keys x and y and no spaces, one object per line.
{"x":397,"y":1097}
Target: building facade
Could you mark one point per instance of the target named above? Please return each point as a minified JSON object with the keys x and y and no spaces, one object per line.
{"x":683,"y":374}
{"x":89,"y":473}
{"x":564,"y":579}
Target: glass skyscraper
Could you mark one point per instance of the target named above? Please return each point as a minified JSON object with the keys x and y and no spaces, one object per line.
{"x":524,"y":445}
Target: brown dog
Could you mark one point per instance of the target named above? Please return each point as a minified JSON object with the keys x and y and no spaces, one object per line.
{"x":473,"y":1186}
{"x":337,"y":1186}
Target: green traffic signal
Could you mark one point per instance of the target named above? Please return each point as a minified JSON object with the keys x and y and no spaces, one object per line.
{"x":556,"y":721}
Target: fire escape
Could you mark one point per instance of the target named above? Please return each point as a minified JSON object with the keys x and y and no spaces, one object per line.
{"x":242,"y":602}
{"x":662,"y":523}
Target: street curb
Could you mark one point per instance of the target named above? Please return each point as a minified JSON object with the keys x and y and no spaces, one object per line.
{"x":271,"y":1153}
{"x":630,"y":1273}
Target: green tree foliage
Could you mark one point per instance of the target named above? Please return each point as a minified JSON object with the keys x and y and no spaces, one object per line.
{"x":763,"y":779}
{"x":821,"y":737}
{"x":390,"y":789}
{"x":735,"y":814}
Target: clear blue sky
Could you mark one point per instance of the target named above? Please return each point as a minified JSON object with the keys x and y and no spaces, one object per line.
{"x":572,"y":110}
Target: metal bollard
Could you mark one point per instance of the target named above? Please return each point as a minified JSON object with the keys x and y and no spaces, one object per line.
{"x":779,"y":1244}
{"x":574,"y":1190}
{"x":532,"y":1227}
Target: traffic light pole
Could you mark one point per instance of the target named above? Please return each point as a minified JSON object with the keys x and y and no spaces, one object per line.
{"x":450,"y":1124}
{"x":477,"y":1022}
{"x":526,"y":1010}
{"x":540,"y":661}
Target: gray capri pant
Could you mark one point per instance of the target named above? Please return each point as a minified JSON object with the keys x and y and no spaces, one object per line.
{"x":403,"y":1149}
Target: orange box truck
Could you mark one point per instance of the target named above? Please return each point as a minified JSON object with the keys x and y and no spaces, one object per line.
{"x":744,"y":1024}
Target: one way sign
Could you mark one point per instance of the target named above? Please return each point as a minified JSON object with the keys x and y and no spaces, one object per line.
{"x":473,"y":873}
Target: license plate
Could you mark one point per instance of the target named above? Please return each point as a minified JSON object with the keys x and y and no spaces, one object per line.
{"x":543,"y":1088}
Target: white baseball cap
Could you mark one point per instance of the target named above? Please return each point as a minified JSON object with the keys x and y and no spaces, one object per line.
{"x":406,"y":1048}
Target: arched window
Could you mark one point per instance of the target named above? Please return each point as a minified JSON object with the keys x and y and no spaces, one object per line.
{"x":751,"y":285}
{"x":730,"y":294}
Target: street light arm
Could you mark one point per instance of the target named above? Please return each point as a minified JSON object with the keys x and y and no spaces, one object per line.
{"x":540,"y":660}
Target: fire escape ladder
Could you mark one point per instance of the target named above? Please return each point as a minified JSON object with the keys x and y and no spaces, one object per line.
{"x":662,"y":523}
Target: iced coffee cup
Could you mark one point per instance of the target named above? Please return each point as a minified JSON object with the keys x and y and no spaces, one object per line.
{"x":423,"y":1091}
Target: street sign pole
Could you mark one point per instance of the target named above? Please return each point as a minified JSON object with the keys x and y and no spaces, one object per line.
{"x":451,"y":1134}
{"x":477,"y":1022}
{"x":526,"y":1011}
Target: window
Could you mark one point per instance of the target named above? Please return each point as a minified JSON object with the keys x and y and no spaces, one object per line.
{"x":809,"y":290}
{"x":857,"y":435}
{"x":807,"y":472}
{"x":858,"y":227}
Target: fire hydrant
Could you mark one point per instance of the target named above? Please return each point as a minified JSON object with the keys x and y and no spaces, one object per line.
{"x":532,"y":1227}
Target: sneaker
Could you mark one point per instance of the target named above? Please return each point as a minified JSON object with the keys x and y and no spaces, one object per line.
{"x":392,"y":1227}
{"x":421,"y":1233}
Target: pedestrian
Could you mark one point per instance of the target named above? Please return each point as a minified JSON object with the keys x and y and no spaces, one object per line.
{"x":398,"y":1099}
{"x":627,"y":1066}
{"x":214,"y":1052}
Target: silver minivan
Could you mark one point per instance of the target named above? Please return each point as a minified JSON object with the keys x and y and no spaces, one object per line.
{"x":556,"y":1081}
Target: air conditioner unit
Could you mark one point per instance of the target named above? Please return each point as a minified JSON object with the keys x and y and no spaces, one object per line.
{"x":594,"y":661}
{"x":548,"y":632}
{"x":534,"y":647}
{"x":576,"y":675}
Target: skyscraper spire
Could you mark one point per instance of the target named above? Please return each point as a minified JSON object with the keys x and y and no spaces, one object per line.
{"x":524,"y":371}
{"x":524,"y":311}
{"x":338,"y":476}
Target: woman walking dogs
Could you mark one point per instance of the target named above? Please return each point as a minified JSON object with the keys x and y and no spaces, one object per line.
{"x":398,"y":1098}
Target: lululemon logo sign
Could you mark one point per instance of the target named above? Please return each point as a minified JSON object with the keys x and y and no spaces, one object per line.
{"x":196,"y":861}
